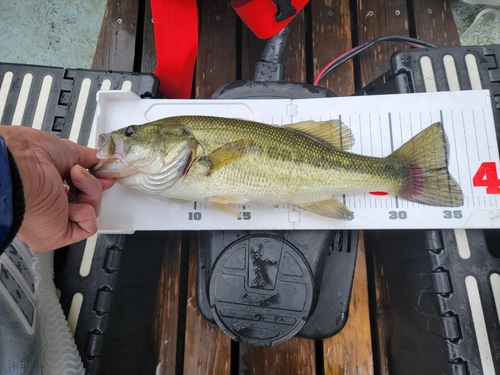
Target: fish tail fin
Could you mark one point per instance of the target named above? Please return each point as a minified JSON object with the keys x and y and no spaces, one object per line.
{"x":428,"y":180}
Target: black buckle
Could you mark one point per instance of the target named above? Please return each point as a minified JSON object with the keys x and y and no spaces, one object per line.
{"x":285,"y":10}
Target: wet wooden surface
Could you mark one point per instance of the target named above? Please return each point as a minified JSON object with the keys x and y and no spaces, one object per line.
{"x":185,"y":342}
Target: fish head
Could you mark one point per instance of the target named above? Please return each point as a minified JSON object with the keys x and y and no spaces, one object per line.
{"x":151,"y":151}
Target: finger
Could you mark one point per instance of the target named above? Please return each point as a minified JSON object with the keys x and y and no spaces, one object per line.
{"x":82,"y":222}
{"x":106,"y":183}
{"x":61,"y":152}
{"x":71,"y":154}
{"x":85,"y":188}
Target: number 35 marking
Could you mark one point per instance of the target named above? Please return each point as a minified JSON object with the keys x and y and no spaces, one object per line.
{"x":455,"y":214}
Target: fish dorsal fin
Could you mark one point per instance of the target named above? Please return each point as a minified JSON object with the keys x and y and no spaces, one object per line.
{"x":225,"y":154}
{"x":332,"y":132}
{"x":331,"y":208}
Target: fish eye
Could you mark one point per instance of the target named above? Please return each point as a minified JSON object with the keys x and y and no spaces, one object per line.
{"x":131,"y":130}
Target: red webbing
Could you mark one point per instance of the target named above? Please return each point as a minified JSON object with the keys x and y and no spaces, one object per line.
{"x":176,"y":39}
{"x":258,"y":15}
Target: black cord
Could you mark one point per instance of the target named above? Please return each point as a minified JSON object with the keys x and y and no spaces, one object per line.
{"x":360,"y":48}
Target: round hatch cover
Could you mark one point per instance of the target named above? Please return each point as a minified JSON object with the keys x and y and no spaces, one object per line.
{"x":261,"y":290}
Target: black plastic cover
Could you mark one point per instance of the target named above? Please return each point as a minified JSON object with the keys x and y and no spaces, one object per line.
{"x":264,"y":287}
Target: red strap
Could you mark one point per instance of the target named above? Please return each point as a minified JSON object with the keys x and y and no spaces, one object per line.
{"x":259,"y":15}
{"x":176,"y":36}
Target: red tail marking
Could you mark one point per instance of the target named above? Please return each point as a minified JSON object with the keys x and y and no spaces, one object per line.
{"x":418,"y":180}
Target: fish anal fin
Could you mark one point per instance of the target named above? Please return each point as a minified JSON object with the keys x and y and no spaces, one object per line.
{"x":225,"y":154}
{"x":179,"y":200}
{"x":227,"y":199}
{"x":227,"y":204}
{"x":332,"y":132}
{"x":331,"y":208}
{"x":228,"y":208}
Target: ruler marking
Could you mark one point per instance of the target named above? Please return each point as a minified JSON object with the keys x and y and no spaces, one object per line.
{"x":441,"y":118}
{"x":486,"y":132}
{"x":475,"y":127}
{"x":371,"y":135}
{"x":391,"y":137}
{"x":360,"y":132}
{"x":381,"y":132}
{"x":340,"y":127}
{"x":456,"y":151}
{"x":468,"y":160}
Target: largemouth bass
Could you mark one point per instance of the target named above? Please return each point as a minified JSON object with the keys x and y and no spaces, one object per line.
{"x":230,"y":162}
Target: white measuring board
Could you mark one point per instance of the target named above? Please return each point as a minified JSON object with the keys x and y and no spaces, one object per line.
{"x":380,"y":125}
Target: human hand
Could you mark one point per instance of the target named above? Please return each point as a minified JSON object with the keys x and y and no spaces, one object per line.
{"x":56,"y":214}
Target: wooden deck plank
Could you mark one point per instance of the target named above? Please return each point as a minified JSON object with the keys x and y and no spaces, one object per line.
{"x":116,"y":43}
{"x":216,"y":63}
{"x":295,"y":356}
{"x":350,"y":351}
{"x":207,"y":347}
{"x":251,"y":50}
{"x":331,"y":37}
{"x":148,"y":57}
{"x":167,"y":306}
{"x":435,"y":22}
{"x":294,"y":59}
{"x":376,"y":19}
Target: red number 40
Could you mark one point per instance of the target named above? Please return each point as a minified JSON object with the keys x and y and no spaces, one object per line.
{"x":487,"y":176}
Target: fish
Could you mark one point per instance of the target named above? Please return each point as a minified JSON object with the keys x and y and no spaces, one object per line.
{"x":231,"y":162}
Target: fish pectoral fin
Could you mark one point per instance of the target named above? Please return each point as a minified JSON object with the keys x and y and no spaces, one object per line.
{"x":331,"y":208}
{"x":225,"y":154}
{"x":332,"y":132}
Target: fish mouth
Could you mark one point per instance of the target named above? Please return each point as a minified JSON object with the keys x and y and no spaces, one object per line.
{"x":110,"y":163}
{"x":108,"y":168}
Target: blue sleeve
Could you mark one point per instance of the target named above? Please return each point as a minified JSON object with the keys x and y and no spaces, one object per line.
{"x":6,"y":210}
{"x":11,"y":197}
